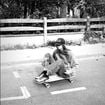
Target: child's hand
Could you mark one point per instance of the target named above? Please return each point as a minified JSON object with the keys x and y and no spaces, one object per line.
{"x":68,"y":71}
{"x":67,"y":65}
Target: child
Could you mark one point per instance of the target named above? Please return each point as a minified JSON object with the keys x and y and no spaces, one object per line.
{"x":58,"y":63}
{"x":66,"y":55}
{"x":51,"y":67}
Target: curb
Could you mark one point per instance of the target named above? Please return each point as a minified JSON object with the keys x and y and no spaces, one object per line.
{"x":39,"y":60}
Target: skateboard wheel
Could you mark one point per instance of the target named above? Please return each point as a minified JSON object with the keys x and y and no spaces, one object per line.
{"x":47,"y":85}
{"x":70,"y":80}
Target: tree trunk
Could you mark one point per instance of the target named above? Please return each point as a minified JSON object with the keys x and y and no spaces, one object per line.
{"x":32,"y":7}
{"x":63,"y":10}
{"x":25,"y":10}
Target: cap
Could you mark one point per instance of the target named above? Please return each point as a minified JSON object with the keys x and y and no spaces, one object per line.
{"x":60,"y":41}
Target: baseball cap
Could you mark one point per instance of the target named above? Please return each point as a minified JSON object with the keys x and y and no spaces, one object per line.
{"x":60,"y":41}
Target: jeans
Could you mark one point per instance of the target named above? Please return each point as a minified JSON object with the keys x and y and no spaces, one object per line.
{"x":58,"y":66}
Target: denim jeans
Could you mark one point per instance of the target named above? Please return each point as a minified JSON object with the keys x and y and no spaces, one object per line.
{"x":55,"y":67}
{"x":58,"y":66}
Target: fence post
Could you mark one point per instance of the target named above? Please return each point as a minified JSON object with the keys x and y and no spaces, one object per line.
{"x":103,"y":32}
{"x":88,"y":24}
{"x":45,"y":30}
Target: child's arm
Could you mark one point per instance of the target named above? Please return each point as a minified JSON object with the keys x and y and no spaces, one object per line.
{"x":64,"y":59}
{"x":72,"y":59}
{"x":45,"y":62}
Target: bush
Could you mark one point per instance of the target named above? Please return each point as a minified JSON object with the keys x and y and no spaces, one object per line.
{"x":94,"y":37}
{"x":51,"y":43}
{"x":73,"y":43}
{"x":17,"y":47}
{"x":91,"y":35}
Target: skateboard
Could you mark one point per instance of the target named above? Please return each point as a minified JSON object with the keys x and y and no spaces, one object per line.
{"x":53,"y":78}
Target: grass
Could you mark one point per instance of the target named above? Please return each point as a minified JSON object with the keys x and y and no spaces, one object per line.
{"x":17,"y":47}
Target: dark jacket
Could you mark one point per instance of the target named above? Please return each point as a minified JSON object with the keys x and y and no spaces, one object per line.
{"x":70,"y":58}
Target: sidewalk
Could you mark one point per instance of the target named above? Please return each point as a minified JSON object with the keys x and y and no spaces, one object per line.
{"x":36,"y":55}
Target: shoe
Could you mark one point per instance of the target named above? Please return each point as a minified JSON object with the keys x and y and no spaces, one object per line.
{"x":42,"y":79}
{"x":37,"y":77}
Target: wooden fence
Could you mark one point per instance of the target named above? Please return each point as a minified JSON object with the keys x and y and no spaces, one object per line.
{"x":46,"y":27}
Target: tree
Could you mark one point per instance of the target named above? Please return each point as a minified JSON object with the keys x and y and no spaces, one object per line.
{"x":10,"y":9}
{"x":93,"y":8}
{"x":50,"y":8}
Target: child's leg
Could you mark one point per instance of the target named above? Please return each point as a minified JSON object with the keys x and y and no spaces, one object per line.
{"x":45,"y":74}
{"x":61,"y":72}
{"x":42,"y":74}
{"x":53,"y":67}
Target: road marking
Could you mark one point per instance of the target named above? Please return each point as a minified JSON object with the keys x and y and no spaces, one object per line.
{"x":25,"y":92}
{"x":12,"y":98}
{"x":16,"y":74}
{"x":68,"y":90}
{"x":92,"y":57}
{"x":25,"y":95}
{"x":29,"y":64}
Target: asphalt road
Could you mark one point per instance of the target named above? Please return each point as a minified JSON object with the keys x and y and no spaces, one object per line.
{"x":18,"y":86}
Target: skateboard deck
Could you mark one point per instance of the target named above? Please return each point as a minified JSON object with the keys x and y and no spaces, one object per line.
{"x":53,"y":78}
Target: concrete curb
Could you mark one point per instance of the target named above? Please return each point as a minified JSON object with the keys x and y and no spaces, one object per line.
{"x":36,"y":55}
{"x":39,"y":60}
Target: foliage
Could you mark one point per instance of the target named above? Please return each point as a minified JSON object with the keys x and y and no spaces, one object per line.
{"x":49,"y":8}
{"x":93,"y":37}
{"x":17,"y":47}
{"x":49,"y":12}
{"x":93,"y":8}
{"x":51,"y":43}
{"x":10,"y":9}
{"x":70,"y":42}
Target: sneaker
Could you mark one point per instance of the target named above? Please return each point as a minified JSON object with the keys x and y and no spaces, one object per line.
{"x":37,"y":77}
{"x":42,"y":79}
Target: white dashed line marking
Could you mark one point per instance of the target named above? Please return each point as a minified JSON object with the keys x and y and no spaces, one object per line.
{"x":16,"y":74}
{"x":25,"y":92}
{"x":93,"y":57}
{"x":68,"y":90}
{"x":12,"y":98}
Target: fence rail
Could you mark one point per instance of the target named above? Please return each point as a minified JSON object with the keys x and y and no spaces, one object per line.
{"x":97,"y":19}
{"x":61,"y":25}
{"x":21,"y":21}
{"x":67,"y":20}
{"x":20,"y":28}
{"x":66,"y":27}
